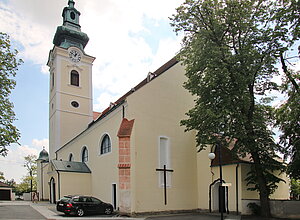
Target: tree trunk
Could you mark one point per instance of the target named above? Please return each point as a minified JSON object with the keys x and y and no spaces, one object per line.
{"x":261,"y":181}
{"x":263,"y":190}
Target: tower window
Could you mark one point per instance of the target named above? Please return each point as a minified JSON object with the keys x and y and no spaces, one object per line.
{"x":105,"y":145}
{"x":74,"y":78}
{"x":75,"y":104}
{"x":52,"y":80}
{"x":84,"y":155}
{"x":72,"y":15}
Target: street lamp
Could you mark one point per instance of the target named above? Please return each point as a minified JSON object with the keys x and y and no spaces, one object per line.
{"x":212,"y":156}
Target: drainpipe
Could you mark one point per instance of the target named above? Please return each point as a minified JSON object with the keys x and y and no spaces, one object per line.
{"x":42,"y":181}
{"x":237,"y":188}
{"x":58,"y":185}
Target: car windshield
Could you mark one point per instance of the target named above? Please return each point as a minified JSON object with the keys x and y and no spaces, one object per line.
{"x":65,"y":198}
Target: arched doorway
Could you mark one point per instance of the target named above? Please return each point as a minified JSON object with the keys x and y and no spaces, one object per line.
{"x":217,"y":192}
{"x":52,"y":191}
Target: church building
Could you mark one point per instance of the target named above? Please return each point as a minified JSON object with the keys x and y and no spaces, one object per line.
{"x":134,"y":154}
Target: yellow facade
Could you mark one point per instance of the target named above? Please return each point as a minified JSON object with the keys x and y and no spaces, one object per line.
{"x":145,"y":135}
{"x":65,"y":121}
{"x":157,"y":114}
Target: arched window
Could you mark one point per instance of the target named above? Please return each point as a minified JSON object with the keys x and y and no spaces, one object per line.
{"x":71,"y":158}
{"x":105,"y":144}
{"x":74,"y":78}
{"x":84,"y":155}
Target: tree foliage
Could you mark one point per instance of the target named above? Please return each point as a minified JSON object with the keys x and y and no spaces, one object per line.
{"x":2,"y":178}
{"x":288,"y":114}
{"x":29,"y":182}
{"x":11,"y":182}
{"x":25,"y":185}
{"x":288,"y":120}
{"x":8,"y":67}
{"x":230,"y":50}
{"x":295,"y":189}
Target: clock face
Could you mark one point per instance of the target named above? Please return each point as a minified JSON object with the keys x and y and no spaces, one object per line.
{"x":74,"y":55}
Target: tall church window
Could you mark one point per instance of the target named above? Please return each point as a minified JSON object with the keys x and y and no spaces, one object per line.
{"x":105,"y":145}
{"x":74,"y":78}
{"x":84,"y":155}
{"x":164,"y":160}
{"x":52,"y":80}
{"x":71,"y":158}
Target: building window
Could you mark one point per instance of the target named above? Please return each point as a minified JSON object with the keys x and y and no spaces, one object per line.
{"x":72,"y":15}
{"x":105,"y":144}
{"x":164,"y":160}
{"x":75,"y":104}
{"x":84,"y":155}
{"x":71,"y":157}
{"x":74,"y":78}
{"x":52,"y":80}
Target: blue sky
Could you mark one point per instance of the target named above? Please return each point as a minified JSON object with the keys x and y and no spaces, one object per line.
{"x":128,"y":38}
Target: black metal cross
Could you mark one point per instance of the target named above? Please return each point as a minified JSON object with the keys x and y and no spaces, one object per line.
{"x":165,"y":170}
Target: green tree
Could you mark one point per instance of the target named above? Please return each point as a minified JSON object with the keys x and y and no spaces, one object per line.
{"x":11,"y":183}
{"x":31,"y":166}
{"x":27,"y":184}
{"x":2,"y":178}
{"x":288,"y":114}
{"x":288,"y":120}
{"x":230,"y":50}
{"x":295,"y":189}
{"x":8,"y":67}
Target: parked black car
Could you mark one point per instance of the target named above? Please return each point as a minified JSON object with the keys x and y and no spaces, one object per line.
{"x":81,"y":205}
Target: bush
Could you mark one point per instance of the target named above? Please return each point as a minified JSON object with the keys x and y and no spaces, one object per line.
{"x":255,"y":209}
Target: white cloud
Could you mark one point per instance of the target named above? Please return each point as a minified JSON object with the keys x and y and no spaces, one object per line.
{"x":33,"y":39}
{"x":39,"y":144}
{"x":12,"y":164}
{"x":104,"y":100}
{"x":123,"y":57}
{"x":167,"y":49}
{"x":117,"y":31}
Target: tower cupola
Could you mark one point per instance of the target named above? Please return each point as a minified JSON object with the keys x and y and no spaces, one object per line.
{"x":43,"y":156}
{"x":70,"y":34}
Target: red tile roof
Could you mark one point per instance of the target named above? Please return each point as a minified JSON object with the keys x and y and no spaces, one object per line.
{"x":96,"y":115}
{"x":125,"y":128}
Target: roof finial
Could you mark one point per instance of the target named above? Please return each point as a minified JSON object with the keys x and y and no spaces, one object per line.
{"x":71,"y":3}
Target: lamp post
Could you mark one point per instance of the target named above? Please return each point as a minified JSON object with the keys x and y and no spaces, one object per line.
{"x":212,"y":156}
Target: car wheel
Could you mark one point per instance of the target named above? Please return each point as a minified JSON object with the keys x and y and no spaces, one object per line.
{"x":80,"y":212}
{"x":108,"y":210}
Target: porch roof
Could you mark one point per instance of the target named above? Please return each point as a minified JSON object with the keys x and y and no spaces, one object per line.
{"x":70,"y":166}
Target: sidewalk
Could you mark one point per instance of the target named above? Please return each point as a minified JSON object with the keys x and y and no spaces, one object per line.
{"x":49,"y":212}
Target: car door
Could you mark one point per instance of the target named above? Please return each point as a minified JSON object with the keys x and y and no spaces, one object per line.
{"x":89,"y":205}
{"x":97,"y":205}
{"x":85,"y":204}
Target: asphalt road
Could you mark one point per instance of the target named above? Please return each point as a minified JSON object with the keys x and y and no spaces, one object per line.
{"x":19,"y":212}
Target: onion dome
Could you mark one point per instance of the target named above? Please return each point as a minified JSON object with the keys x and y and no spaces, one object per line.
{"x":44,"y":156}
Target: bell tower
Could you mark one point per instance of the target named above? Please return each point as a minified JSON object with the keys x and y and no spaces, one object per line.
{"x":70,"y":95}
